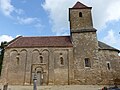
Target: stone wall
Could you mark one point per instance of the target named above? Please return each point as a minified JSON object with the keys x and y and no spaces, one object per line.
{"x":77,"y":22}
{"x":108,"y":75}
{"x":20,"y":63}
{"x":84,"y":63}
{"x":86,"y":46}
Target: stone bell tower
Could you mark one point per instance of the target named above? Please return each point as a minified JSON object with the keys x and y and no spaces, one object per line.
{"x":85,"y":44}
{"x":80,"y":17}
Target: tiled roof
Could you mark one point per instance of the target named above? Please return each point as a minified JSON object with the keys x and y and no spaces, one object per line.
{"x":50,"y":41}
{"x":79,"y":5}
{"x":104,"y":46}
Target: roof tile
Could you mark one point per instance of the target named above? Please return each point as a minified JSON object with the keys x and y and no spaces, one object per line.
{"x":104,"y":46}
{"x":52,"y":41}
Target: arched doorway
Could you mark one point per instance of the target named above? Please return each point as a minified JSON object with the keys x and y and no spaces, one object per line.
{"x":39,"y":74}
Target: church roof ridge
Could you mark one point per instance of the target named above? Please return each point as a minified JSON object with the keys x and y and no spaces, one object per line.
{"x":43,"y":36}
{"x":80,"y":5}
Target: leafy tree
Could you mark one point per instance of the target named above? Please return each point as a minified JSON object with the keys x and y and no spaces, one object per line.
{"x":2,"y":49}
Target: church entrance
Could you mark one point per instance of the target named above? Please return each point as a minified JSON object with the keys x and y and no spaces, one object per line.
{"x":39,"y":78}
{"x":40,"y":75}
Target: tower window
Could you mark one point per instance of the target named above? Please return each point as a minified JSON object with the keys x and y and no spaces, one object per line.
{"x":108,"y":65}
{"x":80,"y":14}
{"x":41,"y":59}
{"x":61,"y":61}
{"x":87,"y":62}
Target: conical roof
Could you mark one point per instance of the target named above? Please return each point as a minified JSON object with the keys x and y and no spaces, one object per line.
{"x":79,"y":5}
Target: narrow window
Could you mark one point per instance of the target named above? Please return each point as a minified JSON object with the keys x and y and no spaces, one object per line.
{"x":80,"y":14}
{"x":87,"y":62}
{"x":108,"y":65}
{"x":17,"y":57}
{"x":41,"y":59}
{"x":61,"y":61}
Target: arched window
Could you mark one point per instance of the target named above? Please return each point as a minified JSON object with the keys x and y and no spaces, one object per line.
{"x":17,"y":59}
{"x":41,"y":59}
{"x":80,"y":14}
{"x":61,"y":61}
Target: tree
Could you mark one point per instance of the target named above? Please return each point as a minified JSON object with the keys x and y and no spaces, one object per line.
{"x":2,"y":49}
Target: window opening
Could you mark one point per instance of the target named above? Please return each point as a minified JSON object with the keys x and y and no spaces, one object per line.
{"x":87,"y":62}
{"x":60,"y":53}
{"x":80,"y":14}
{"x":41,"y":59}
{"x":61,"y":61}
{"x":17,"y":57}
{"x":108,"y":65}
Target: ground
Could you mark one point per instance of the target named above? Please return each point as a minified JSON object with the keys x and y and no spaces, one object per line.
{"x":65,"y":87}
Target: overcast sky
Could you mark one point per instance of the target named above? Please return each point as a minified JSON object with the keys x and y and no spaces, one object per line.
{"x":50,"y":17}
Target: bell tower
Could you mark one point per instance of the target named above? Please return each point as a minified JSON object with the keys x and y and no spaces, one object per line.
{"x":84,"y":40}
{"x":80,"y":17}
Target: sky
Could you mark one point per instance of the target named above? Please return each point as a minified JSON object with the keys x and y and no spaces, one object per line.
{"x":50,"y":18}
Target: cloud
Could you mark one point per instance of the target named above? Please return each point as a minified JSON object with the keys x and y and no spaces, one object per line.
{"x":7,"y":8}
{"x":119,"y":54}
{"x":103,"y":12}
{"x":113,"y":13}
{"x":27,"y":20}
{"x":5,"y":38}
{"x":58,"y":14}
{"x":19,"y":11}
{"x":39,"y":26}
{"x":35,"y":22}
{"x":112,"y":39}
{"x":18,"y":36}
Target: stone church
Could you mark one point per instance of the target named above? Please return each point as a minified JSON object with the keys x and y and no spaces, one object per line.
{"x":62,"y":60}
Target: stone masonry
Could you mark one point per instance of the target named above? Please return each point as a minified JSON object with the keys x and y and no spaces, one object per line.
{"x":78,"y":59}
